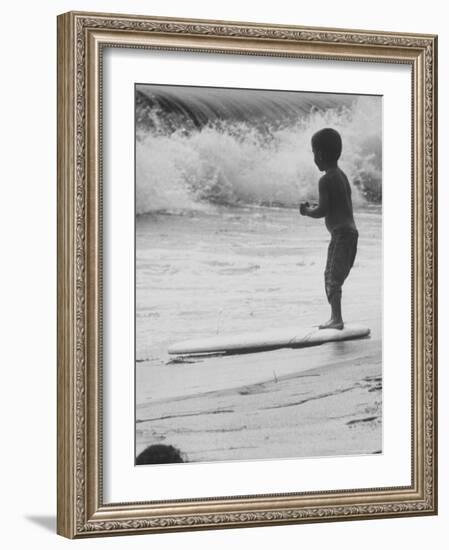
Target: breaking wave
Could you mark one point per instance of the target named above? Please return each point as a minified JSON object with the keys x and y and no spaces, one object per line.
{"x":196,"y":147}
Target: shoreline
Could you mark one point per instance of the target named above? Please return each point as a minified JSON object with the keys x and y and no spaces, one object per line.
{"x":201,"y":275}
{"x":327,"y":410}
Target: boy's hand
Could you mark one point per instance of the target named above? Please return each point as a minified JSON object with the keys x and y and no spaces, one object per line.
{"x":303,"y":208}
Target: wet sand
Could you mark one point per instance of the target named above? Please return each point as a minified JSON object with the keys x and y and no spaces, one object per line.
{"x":249,"y":269}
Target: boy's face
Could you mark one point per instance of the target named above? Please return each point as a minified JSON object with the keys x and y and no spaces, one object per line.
{"x":318,"y":158}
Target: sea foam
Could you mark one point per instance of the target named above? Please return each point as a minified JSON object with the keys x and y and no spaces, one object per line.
{"x":190,"y":158}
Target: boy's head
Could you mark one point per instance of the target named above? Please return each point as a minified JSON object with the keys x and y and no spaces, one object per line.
{"x":326,"y":146}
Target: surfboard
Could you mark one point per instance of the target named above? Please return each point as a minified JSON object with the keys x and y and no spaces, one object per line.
{"x":289,"y":337}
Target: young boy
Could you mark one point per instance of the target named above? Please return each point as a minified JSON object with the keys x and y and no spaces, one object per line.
{"x":335,"y":206}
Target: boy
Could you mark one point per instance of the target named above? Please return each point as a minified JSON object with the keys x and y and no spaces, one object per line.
{"x":335,"y":206}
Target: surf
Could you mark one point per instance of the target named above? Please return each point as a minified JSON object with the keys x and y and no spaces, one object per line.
{"x":199,"y":148}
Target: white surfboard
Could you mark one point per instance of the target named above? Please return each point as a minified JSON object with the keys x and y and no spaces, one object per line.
{"x":289,"y":337}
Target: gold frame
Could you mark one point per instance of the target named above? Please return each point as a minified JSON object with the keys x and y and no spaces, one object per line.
{"x":81,"y":37}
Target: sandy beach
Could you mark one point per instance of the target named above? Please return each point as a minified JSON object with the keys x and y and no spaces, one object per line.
{"x":228,"y":270}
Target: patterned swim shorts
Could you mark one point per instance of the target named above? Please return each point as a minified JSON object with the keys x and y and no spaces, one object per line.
{"x":340,"y":259}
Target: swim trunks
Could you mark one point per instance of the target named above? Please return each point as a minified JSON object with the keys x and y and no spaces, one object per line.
{"x":340,"y":259}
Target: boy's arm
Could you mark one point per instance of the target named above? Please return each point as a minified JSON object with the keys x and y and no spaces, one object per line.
{"x":321,"y":210}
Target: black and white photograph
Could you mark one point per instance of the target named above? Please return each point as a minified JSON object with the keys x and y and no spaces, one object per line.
{"x":258,"y":274}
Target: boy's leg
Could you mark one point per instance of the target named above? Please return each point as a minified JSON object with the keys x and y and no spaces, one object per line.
{"x":336,"y":318}
{"x":332,"y":284}
{"x":333,"y":291}
{"x":340,"y":259}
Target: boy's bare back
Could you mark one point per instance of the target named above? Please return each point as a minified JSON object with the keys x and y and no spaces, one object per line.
{"x":336,"y":191}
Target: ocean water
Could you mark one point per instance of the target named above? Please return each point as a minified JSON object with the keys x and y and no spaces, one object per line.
{"x":219,"y":176}
{"x":244,"y":269}
{"x":196,"y":147}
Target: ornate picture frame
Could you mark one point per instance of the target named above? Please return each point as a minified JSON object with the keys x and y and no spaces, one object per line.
{"x":82,"y":40}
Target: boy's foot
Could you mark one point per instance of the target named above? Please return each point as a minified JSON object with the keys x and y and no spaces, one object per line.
{"x":332,"y":324}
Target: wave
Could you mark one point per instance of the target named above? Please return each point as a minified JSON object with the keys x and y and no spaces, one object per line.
{"x":199,"y":147}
